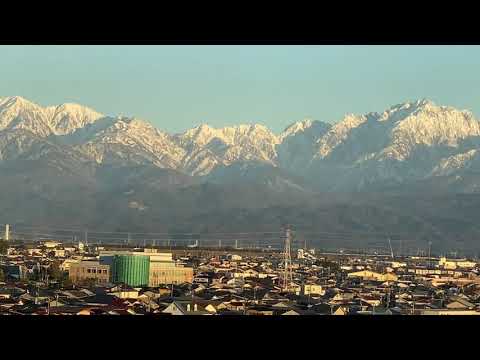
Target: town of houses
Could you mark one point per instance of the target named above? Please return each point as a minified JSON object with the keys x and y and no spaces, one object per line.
{"x":51,"y":278}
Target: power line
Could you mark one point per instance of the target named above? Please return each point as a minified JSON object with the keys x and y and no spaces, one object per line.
{"x":146,"y":233}
{"x":310,"y":233}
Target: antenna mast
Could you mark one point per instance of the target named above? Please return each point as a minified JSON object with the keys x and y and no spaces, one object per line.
{"x":287,"y":258}
{"x":429,"y":254}
{"x":391,"y":249}
{"x":7,"y":232}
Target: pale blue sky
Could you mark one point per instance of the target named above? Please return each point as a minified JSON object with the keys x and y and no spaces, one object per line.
{"x":178,"y":87}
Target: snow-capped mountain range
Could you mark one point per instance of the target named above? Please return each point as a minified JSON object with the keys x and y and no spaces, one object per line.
{"x":408,"y":142}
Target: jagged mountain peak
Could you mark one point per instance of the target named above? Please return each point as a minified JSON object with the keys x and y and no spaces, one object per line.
{"x":131,"y":141}
{"x":297,"y":126}
{"x":397,"y":132}
{"x":240,"y":127}
{"x":199,"y":132}
{"x":204,"y":133}
{"x":67,"y":118}
{"x":421,"y":110}
{"x":297,"y":143}
{"x":130,"y":126}
{"x":17,"y":102}
{"x":17,"y":112}
{"x":20,"y":101}
{"x":208,"y":147}
{"x":303,"y":126}
{"x":203,"y":127}
{"x":413,"y":104}
{"x":74,"y":107}
{"x":10,"y":100}
{"x":423,"y":107}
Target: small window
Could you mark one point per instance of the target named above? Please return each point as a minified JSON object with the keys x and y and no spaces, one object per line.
{"x":88,"y":271}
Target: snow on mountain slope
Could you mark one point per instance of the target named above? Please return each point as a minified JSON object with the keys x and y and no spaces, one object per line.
{"x":295,"y":128}
{"x":403,"y":143}
{"x":66,"y":118}
{"x":203,"y":134}
{"x":337,"y":134}
{"x":20,"y":145}
{"x":19,"y":113}
{"x":395,"y":132}
{"x":406,"y":142}
{"x":430,"y":125}
{"x":207,"y":147}
{"x":200,"y":161}
{"x":455,"y":163}
{"x":297,"y":143}
{"x":133,"y":141}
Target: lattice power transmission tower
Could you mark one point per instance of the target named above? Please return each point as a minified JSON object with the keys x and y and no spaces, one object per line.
{"x":287,"y":260}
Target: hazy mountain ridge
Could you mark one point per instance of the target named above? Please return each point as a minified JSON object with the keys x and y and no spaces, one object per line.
{"x":401,"y":170}
{"x":404,"y":143}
